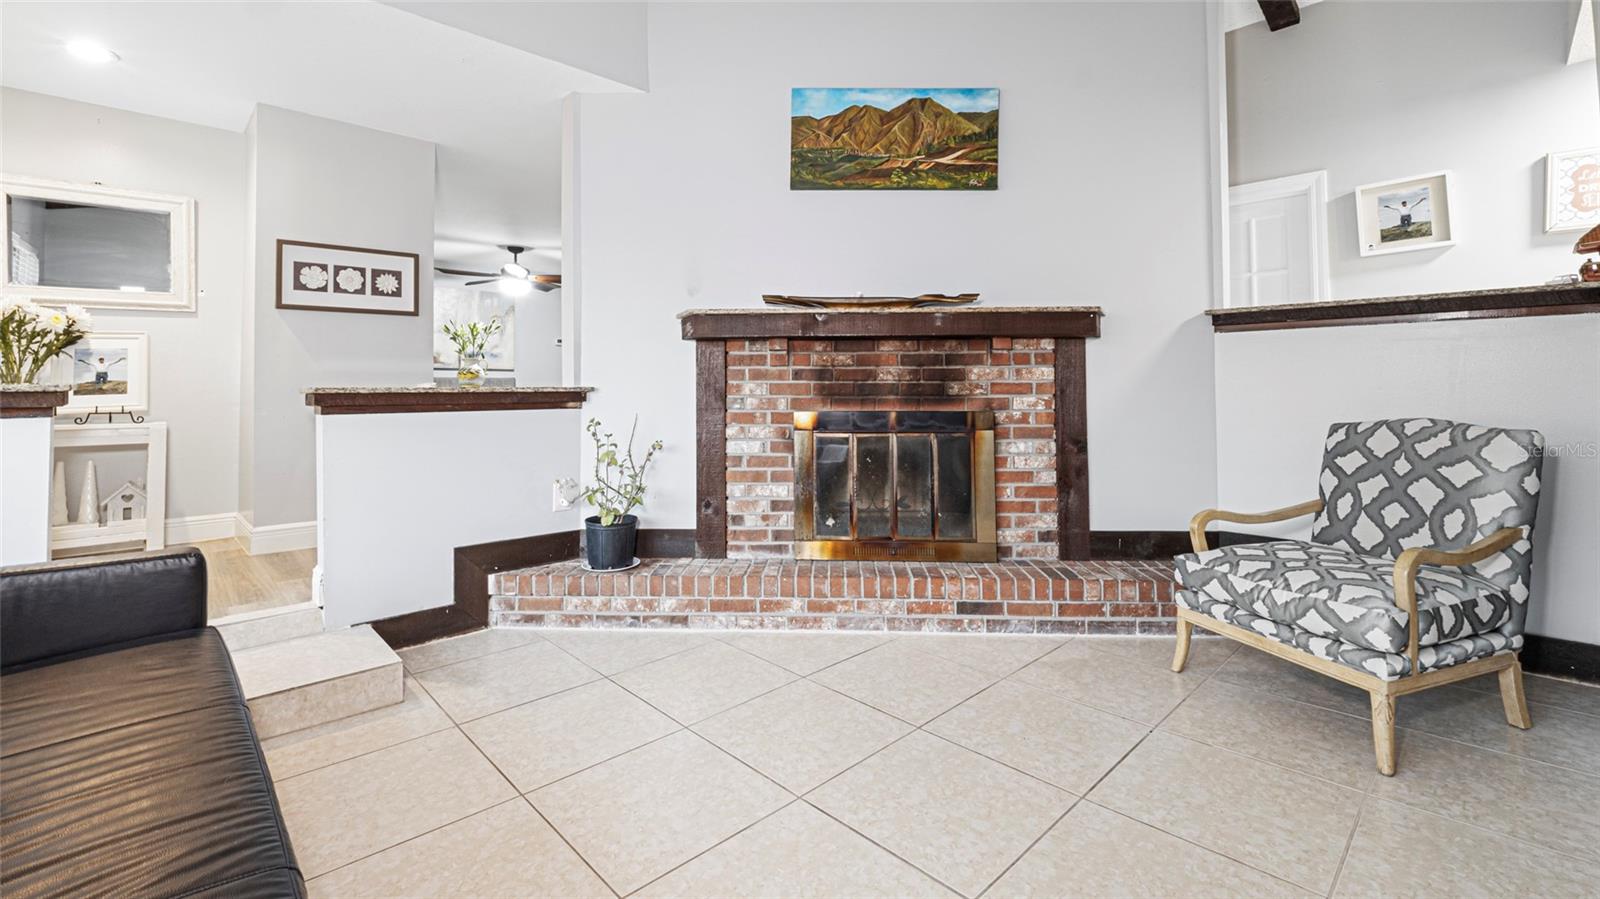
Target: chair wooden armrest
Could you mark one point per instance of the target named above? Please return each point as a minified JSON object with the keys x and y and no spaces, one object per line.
{"x":1405,"y":575}
{"x":1197,"y":525}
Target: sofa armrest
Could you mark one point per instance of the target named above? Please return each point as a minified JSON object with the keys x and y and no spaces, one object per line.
{"x":57,"y":608}
{"x":1409,"y":561}
{"x":1197,"y":525}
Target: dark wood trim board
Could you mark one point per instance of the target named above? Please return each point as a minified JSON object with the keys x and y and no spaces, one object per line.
{"x":40,"y":403}
{"x":1131,"y":545}
{"x":1072,"y":449}
{"x":1561,"y":658}
{"x":1520,"y":302}
{"x":667,"y":543}
{"x":1042,"y":321}
{"x":711,"y":448}
{"x":470,"y":609}
{"x":367,"y":402}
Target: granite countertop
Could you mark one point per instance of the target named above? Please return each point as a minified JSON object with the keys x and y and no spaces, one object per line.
{"x":34,"y":388}
{"x":926,"y":310}
{"x":1534,"y":289}
{"x":432,"y":389}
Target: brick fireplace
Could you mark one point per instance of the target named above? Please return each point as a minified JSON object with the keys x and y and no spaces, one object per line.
{"x":758,"y":368}
{"x":1019,"y":371}
{"x":769,"y":380}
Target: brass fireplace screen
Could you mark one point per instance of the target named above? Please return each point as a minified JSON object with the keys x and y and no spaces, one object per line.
{"x":909,"y":486}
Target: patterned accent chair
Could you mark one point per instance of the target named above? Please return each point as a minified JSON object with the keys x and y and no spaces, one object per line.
{"x":1416,"y":574}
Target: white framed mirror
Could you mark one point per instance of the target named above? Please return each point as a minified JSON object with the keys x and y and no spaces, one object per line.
{"x":98,"y":246}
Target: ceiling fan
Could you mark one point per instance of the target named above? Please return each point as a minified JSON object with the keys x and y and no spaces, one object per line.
{"x":513,"y":275}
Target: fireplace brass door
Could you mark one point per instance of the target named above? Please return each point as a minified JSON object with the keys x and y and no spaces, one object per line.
{"x":904,"y":486}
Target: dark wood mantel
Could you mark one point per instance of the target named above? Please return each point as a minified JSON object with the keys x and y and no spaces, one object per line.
{"x":1069,"y":326}
{"x":30,"y":400}
{"x":1511,"y":302}
{"x":380,"y":400}
{"x":967,"y":321}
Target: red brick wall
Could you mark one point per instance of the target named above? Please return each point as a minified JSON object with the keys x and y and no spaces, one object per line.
{"x":770,"y":380}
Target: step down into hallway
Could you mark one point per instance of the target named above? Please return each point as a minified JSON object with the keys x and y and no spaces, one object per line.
{"x":308,"y":680}
{"x":270,"y":625}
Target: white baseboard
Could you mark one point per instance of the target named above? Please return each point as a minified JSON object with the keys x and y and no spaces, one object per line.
{"x":276,"y":538}
{"x":198,"y":528}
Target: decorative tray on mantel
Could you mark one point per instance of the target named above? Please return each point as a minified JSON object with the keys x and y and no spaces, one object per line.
{"x":858,"y":302}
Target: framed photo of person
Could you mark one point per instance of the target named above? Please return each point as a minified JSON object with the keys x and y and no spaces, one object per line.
{"x":108,"y":370}
{"x":1572,"y":190}
{"x":331,"y":278}
{"x":1404,"y":215}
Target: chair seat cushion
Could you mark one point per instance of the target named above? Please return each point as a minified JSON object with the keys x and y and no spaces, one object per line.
{"x":1385,"y":665}
{"x":1334,"y":593}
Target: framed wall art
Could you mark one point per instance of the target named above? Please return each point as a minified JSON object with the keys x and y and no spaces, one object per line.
{"x":106,"y":370}
{"x":1572,"y":190}
{"x":98,"y":246}
{"x":331,"y":278}
{"x":1404,"y":215}
{"x":894,"y":138}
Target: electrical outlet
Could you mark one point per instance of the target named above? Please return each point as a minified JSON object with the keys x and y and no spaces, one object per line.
{"x":563,"y":494}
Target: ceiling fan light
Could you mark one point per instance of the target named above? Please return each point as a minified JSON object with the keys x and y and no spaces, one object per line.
{"x":514,"y":270}
{"x":514,"y":287}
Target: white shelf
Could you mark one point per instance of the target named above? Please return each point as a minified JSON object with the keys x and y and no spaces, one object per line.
{"x":150,"y":530}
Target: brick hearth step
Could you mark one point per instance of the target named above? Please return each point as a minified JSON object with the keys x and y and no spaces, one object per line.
{"x":1020,"y":596}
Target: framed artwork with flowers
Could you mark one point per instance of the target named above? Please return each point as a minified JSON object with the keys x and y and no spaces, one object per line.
{"x":332,"y":278}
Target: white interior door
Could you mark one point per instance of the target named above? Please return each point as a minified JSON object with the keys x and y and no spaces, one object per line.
{"x":1278,"y":241}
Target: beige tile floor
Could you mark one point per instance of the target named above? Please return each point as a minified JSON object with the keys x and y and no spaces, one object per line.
{"x":584,"y":763}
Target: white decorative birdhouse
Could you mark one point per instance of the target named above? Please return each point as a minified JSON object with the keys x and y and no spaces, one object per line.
{"x":126,"y":503}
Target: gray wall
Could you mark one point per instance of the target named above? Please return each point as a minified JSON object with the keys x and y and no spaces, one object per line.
{"x":1377,"y":91}
{"x":194,"y":356}
{"x":323,"y":181}
{"x":682,"y":200}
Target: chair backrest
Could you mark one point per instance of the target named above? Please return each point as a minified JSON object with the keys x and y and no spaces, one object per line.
{"x":1388,"y":486}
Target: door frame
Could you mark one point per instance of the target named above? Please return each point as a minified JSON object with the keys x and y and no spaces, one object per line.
{"x":1313,"y":186}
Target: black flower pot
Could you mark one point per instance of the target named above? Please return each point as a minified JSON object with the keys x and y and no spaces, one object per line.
{"x":610,"y":547}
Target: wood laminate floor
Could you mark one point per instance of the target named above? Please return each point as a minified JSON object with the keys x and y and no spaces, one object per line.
{"x":239,"y":582}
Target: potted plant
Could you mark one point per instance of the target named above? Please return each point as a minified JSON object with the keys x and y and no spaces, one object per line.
{"x":611,"y":538}
{"x":31,"y":335}
{"x":472,"y":349}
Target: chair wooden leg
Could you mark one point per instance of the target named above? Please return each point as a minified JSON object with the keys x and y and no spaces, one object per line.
{"x":1180,"y":655}
{"x":1511,"y":696}
{"x":1383,"y":730}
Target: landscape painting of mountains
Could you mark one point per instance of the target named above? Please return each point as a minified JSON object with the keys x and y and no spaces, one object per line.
{"x":894,"y":138}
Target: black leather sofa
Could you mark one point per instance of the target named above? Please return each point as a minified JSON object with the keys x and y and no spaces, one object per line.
{"x":128,"y":763}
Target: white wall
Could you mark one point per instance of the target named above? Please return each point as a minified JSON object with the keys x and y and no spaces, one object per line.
{"x":605,"y":38}
{"x":1377,"y":91}
{"x":538,"y":329}
{"x":327,"y":182}
{"x":391,"y":513}
{"x":682,"y":200}
{"x":194,"y":356}
{"x":1541,"y":373}
{"x":24,"y":490}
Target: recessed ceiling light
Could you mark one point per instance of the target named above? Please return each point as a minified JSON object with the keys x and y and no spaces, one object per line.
{"x":91,"y":52}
